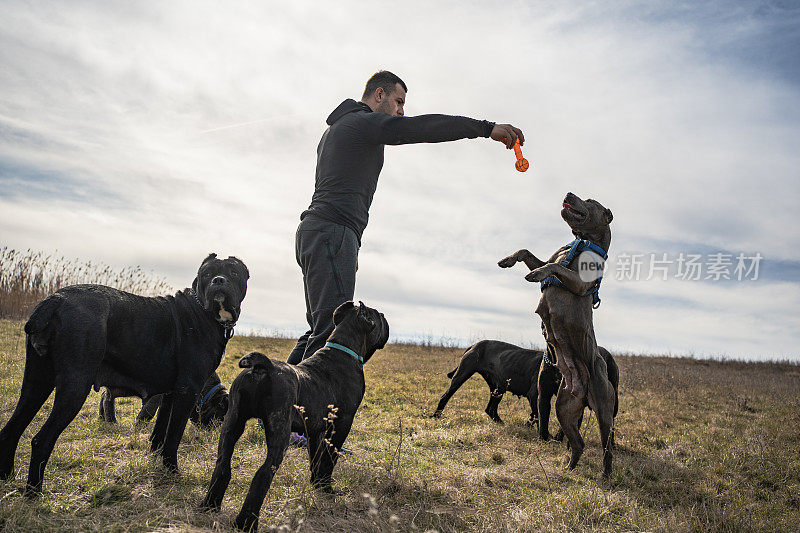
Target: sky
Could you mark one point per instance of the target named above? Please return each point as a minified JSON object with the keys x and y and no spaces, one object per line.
{"x":153,"y":133}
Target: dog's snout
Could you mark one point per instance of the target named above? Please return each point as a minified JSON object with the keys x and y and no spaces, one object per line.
{"x":218,"y":280}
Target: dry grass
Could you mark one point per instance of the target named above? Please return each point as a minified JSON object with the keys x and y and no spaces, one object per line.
{"x":28,"y":277}
{"x":701,"y":446}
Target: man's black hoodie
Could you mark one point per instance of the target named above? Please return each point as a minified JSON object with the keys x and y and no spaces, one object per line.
{"x":350,"y":156}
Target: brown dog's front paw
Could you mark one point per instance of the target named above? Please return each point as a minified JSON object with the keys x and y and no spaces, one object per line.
{"x":508,"y":262}
{"x":537,"y":275}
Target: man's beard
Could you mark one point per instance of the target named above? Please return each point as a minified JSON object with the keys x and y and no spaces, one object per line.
{"x":385,"y":106}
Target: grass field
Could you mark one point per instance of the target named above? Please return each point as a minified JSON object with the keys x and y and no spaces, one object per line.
{"x":700,"y":446}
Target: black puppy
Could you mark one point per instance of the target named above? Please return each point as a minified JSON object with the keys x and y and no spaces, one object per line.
{"x":209,"y":409}
{"x":505,"y":367}
{"x":318,"y":397}
{"x":509,"y":368}
{"x":91,"y":335}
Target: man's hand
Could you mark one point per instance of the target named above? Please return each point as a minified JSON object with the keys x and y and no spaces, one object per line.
{"x":507,"y":134}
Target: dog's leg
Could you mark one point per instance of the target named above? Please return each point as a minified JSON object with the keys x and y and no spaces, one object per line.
{"x":277,"y":439}
{"x":160,"y":427}
{"x":71,"y":393}
{"x":183,"y":402}
{"x":101,"y":411}
{"x":569,"y":410}
{"x":37,"y":384}
{"x":496,"y":392}
{"x":107,"y":407}
{"x":533,"y":395}
{"x":323,"y":450}
{"x":602,"y":393}
{"x":464,"y":371}
{"x":230,"y":433}
{"x":544,"y":401}
{"x":149,"y":409}
{"x":571,"y":279}
{"x":530,"y":260}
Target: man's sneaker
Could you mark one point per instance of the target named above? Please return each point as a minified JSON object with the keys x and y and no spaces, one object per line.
{"x":296,"y":439}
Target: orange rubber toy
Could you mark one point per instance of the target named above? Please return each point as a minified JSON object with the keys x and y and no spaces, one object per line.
{"x":522,"y":163}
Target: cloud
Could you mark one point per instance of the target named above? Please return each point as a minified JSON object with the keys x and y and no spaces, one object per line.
{"x":152,"y":135}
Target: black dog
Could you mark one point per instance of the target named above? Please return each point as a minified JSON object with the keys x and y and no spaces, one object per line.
{"x":209,"y":409}
{"x":509,"y":368}
{"x":505,"y":367}
{"x":318,"y":397}
{"x":91,"y":335}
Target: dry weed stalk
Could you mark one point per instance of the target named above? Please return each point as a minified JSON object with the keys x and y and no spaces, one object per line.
{"x":28,"y":277}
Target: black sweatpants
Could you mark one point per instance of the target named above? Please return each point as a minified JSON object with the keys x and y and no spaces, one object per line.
{"x":327,"y":254}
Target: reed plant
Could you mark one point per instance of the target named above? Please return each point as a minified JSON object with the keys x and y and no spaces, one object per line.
{"x":28,"y":277}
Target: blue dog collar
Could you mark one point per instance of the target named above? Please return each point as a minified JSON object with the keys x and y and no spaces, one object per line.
{"x":210,"y":393}
{"x":346,"y":350}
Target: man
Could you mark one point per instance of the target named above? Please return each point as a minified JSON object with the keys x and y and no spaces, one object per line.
{"x":349,"y":161}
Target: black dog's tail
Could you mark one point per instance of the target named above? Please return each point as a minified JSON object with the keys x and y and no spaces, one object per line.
{"x":476,"y":353}
{"x":453,"y":372}
{"x":36,"y":326}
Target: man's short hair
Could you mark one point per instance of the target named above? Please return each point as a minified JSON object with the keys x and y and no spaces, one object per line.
{"x":385,"y":80}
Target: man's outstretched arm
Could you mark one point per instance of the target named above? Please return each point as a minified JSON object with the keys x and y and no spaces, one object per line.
{"x":395,"y":130}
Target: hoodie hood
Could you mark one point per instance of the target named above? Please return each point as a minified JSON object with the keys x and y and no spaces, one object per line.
{"x":348,"y":106}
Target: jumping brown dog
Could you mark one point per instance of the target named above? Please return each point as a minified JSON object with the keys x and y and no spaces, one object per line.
{"x":566,"y":312}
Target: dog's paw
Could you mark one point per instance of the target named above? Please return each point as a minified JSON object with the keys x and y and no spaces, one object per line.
{"x":246,"y":522}
{"x":508,"y":262}
{"x":537,"y":275}
{"x":32,"y":493}
{"x":436,"y":414}
{"x":210,"y":505}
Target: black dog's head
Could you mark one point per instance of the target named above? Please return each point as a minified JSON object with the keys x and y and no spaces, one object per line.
{"x":211,"y":411}
{"x":213,"y":404}
{"x":221,"y":285}
{"x":367,"y":320}
{"x":587,"y":219}
{"x":257,"y":362}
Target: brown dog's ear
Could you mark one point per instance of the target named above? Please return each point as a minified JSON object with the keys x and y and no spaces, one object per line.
{"x":363,"y":319}
{"x":608,"y":216}
{"x":341,"y":312}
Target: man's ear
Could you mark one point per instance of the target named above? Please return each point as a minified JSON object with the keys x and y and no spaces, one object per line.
{"x":609,"y":216}
{"x":364,"y":319}
{"x":341,"y":312}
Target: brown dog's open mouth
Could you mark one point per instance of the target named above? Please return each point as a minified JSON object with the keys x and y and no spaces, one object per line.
{"x":572,"y":211}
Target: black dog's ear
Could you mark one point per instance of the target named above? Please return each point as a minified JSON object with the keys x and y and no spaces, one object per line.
{"x":341,"y":312}
{"x":363,"y":319}
{"x":609,"y":216}
{"x":255,"y":360}
{"x":241,"y":263}
{"x":210,"y":257}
